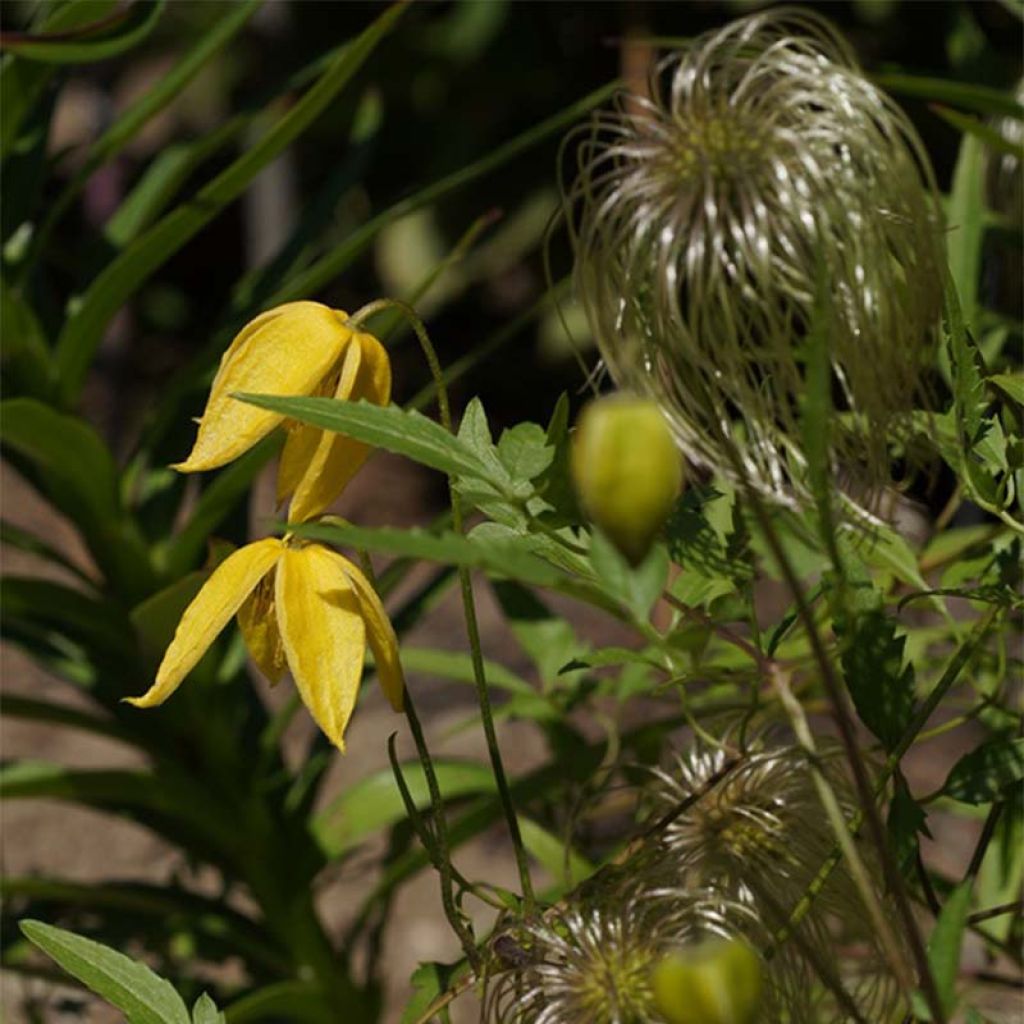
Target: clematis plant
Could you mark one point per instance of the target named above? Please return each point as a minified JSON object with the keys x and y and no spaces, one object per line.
{"x":299,"y":605}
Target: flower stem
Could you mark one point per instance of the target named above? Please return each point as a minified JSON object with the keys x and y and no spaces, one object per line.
{"x":468,"y":604}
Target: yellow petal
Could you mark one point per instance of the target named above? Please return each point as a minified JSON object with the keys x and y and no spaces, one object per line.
{"x":366,"y":374}
{"x":323,"y":634}
{"x":299,"y":448}
{"x":380,"y":633}
{"x":210,"y":611}
{"x":257,"y":619}
{"x":285,"y":351}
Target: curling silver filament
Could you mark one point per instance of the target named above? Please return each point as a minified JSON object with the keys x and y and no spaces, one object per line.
{"x":707,"y":220}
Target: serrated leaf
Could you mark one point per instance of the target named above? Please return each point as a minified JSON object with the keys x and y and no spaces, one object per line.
{"x":524,"y":451}
{"x":429,"y":981}
{"x":987,"y":772}
{"x":405,"y":433}
{"x":945,"y":942}
{"x":144,"y":997}
{"x":881,"y":686}
{"x":635,"y":588}
{"x":906,"y":821}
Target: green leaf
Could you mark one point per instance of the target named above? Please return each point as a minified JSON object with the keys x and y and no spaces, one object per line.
{"x":637,"y":589}
{"x":1011,"y":384}
{"x":329,"y":267}
{"x":993,"y":139}
{"x":132,"y":987}
{"x":1002,"y":869}
{"x":945,"y":942}
{"x":986,"y":773}
{"x":960,"y":94}
{"x":105,"y":38}
{"x":548,"y":639}
{"x":504,"y":557}
{"x":907,"y":820}
{"x":299,"y":1001}
{"x":375,"y":803}
{"x":78,"y":474}
{"x":429,"y":981}
{"x":884,"y":548}
{"x":965,"y":215}
{"x":122,"y":277}
{"x":881,"y":686}
{"x":565,"y":865}
{"x":524,"y":451}
{"x":26,"y":354}
{"x":205,"y":1012}
{"x":458,"y":665}
{"x":389,"y":427}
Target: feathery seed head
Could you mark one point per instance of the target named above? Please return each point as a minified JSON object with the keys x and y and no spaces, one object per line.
{"x":705,"y":219}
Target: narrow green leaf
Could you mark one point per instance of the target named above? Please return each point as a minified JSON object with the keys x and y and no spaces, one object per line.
{"x":993,"y":139}
{"x":987,"y":772}
{"x":945,"y":942}
{"x":133,"y":988}
{"x":330,"y":266}
{"x":299,"y":1001}
{"x":15,"y":537}
{"x":960,"y":94}
{"x":32,"y":710}
{"x":77,"y":473}
{"x":458,"y":666}
{"x":105,"y":38}
{"x":122,"y":277}
{"x":374,"y":803}
{"x":504,"y":558}
{"x":428,"y":981}
{"x":389,"y":427}
{"x":26,"y":353}
{"x":966,"y":215}
{"x":566,"y":866}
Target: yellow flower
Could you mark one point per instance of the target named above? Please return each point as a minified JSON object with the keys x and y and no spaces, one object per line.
{"x":301,"y":348}
{"x":300,"y":605}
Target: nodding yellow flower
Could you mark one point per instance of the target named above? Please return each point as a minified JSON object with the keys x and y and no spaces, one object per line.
{"x":303,"y":606}
{"x":300,"y":348}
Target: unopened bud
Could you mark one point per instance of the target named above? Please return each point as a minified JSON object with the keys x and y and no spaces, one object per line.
{"x":627,"y":470}
{"x":715,"y":982}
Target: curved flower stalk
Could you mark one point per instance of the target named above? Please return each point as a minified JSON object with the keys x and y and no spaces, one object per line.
{"x":300,"y":348}
{"x":707,"y":219}
{"x":759,"y":838}
{"x":299,"y":605}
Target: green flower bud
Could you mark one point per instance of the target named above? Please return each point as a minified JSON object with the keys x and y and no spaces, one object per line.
{"x":715,"y":982}
{"x":627,"y":470}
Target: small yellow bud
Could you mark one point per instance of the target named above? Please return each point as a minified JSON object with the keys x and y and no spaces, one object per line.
{"x":715,"y":982}
{"x":627,"y":470}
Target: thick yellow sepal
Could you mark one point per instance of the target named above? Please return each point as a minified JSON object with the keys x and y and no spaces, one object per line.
{"x":285,"y":351}
{"x":323,"y":635}
{"x":381,"y":635}
{"x":211,"y":610}
{"x":365,"y":374}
